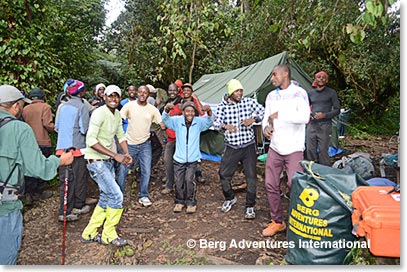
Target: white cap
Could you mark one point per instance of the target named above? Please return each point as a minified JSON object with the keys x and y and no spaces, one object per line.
{"x":151,"y":88}
{"x":112,"y":89}
{"x":10,"y":93}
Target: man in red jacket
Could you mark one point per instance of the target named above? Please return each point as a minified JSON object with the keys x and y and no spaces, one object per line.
{"x":175,"y":99}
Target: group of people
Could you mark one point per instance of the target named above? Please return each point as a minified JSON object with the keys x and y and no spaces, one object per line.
{"x":107,"y":135}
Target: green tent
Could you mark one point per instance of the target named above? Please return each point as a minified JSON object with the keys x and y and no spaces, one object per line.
{"x":255,"y":79}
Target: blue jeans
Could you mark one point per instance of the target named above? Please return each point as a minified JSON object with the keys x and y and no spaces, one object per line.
{"x":142,"y":153}
{"x":110,"y":194}
{"x":11,"y":233}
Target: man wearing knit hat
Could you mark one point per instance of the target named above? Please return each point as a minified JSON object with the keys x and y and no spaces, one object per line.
{"x":235,"y":115}
{"x":98,"y":96}
{"x":325,"y":106}
{"x":38,"y":115}
{"x":185,"y":159}
{"x":72,"y":124}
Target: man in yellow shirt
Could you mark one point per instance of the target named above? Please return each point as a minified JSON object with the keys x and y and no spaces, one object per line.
{"x":140,"y":115}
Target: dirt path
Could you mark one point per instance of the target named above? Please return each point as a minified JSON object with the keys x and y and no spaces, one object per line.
{"x":158,"y":236}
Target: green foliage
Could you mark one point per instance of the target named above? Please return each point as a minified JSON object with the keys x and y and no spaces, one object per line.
{"x":24,"y":55}
{"x":182,"y":256}
{"x":359,"y":256}
{"x":126,"y":251}
{"x":44,"y":42}
{"x":388,"y":122}
{"x":374,"y":11}
{"x":191,"y":31}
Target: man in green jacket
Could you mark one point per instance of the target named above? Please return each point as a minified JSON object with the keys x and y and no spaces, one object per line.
{"x":19,"y":156}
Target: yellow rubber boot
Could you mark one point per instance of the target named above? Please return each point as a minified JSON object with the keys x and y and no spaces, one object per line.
{"x":109,"y":234}
{"x":97,"y":219}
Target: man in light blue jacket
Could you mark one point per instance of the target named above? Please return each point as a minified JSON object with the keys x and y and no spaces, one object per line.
{"x":187,"y":128}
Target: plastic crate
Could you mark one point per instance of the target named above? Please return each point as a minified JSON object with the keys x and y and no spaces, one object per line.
{"x":376,"y":217}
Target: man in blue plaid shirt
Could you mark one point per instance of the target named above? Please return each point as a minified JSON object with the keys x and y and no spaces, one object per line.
{"x":235,"y":115}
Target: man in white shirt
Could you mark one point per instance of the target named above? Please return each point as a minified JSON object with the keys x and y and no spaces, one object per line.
{"x":286,"y":114}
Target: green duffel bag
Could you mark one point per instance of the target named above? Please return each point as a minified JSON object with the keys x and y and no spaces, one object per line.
{"x":319,"y":222}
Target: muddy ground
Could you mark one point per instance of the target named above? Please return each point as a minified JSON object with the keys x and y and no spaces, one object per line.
{"x":158,"y":236}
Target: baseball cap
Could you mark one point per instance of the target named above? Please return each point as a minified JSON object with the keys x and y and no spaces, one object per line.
{"x":187,"y":85}
{"x":112,"y":89}
{"x":37,"y":93}
{"x":10,"y":93}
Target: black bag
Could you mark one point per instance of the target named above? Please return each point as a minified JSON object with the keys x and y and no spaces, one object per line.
{"x":359,"y":163}
{"x":157,"y":148}
{"x":320,"y":212}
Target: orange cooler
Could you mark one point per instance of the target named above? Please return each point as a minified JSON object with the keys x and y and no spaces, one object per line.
{"x":376,"y":216}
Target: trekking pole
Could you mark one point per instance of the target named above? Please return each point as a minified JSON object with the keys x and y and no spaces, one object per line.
{"x":65,"y":206}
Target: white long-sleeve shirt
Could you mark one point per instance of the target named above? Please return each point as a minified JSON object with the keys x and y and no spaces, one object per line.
{"x":293,"y":114}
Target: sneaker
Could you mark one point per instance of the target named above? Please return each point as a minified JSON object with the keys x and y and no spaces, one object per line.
{"x":250,"y":214}
{"x":119,"y":241}
{"x":191,"y":209}
{"x":85,"y":209}
{"x":178,"y":208}
{"x":69,"y":218}
{"x":227,"y":205}
{"x":166,"y":191}
{"x":273,"y":228}
{"x":144,"y":201}
{"x":96,"y":239}
{"x":45,"y":195}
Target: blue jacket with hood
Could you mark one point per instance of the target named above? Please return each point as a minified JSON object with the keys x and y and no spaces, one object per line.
{"x":187,"y":139}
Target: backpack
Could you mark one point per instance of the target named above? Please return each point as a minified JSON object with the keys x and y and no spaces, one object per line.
{"x":5,"y":120}
{"x":7,"y":193}
{"x":358,"y":163}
